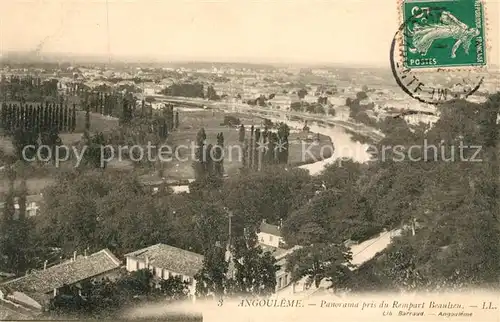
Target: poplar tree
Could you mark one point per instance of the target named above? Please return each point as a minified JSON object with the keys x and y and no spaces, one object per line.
{"x":73,"y":118}
{"x":241,"y":137}
{"x":251,"y":148}
{"x":219,"y":155}
{"x":257,"y":151}
{"x":176,"y":119}
{"x":199,"y":164}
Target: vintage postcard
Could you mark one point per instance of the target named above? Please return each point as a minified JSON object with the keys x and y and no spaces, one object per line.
{"x":249,"y":160}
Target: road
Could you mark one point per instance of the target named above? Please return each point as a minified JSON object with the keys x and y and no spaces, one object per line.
{"x":358,"y":128}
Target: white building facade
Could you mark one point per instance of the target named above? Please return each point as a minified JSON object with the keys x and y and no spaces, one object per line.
{"x":270,"y":235}
{"x":166,"y":262}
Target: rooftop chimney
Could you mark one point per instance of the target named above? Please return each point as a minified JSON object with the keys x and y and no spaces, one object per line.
{"x":74,"y":255}
{"x":45,"y":265}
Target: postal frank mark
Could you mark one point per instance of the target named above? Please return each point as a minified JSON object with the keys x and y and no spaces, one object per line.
{"x":440,"y":34}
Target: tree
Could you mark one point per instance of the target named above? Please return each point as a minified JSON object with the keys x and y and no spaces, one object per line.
{"x":199,"y":164}
{"x":21,"y":140}
{"x":241,"y":134}
{"x":296,"y":106}
{"x":219,"y":155}
{"x":209,"y":163}
{"x":211,"y":279}
{"x":87,"y":116}
{"x":52,"y":140}
{"x":301,"y":93}
{"x":185,"y":90}
{"x":255,"y":269}
{"x":282,"y":141}
{"x":271,"y":154}
{"x":454,"y":219}
{"x":212,"y":94}
{"x":6,"y":239}
{"x":174,"y":288}
{"x":96,"y":155}
{"x":361,"y":95}
{"x":16,"y":247}
{"x":321,"y":261}
{"x":103,"y":296}
{"x":150,"y":99}
{"x":69,"y":218}
{"x":177,"y":119}
{"x":231,"y":120}
{"x":318,"y":109}
{"x":139,"y":282}
{"x":22,"y":198}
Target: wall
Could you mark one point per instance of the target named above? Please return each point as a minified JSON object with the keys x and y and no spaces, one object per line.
{"x":131,"y":265}
{"x":269,"y":240}
{"x":32,"y":209}
{"x":134,"y":265}
{"x":283,"y":279}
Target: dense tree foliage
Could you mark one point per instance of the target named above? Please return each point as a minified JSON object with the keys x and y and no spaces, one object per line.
{"x":443,"y":203}
{"x":321,"y":261}
{"x":185,"y":90}
{"x":105,"y":297}
{"x":248,"y":270}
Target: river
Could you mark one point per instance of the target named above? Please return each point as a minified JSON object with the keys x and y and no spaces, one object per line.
{"x":345,"y":147}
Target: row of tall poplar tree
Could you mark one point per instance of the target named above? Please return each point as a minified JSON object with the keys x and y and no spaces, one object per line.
{"x":209,"y":159}
{"x":38,"y":117}
{"x":264,"y":147}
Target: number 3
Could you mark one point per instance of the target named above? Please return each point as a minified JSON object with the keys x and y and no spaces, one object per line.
{"x":220,"y":302}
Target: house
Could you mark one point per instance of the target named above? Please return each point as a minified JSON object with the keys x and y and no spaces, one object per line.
{"x":32,"y":205}
{"x":270,"y":235}
{"x":34,"y":290}
{"x":281,"y":101}
{"x":167,"y":261}
{"x":283,"y":277}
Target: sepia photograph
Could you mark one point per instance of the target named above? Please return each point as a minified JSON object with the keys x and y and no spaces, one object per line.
{"x":249,"y":160}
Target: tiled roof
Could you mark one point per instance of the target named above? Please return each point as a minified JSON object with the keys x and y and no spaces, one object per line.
{"x":174,"y":259}
{"x":67,"y":273}
{"x":270,"y":229}
{"x":282,"y":266}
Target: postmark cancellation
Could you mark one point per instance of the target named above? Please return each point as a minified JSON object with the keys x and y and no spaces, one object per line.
{"x":441,"y":51}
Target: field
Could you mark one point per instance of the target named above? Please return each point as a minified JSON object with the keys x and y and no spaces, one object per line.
{"x":44,"y":174}
{"x":210,"y":120}
{"x":98,"y":122}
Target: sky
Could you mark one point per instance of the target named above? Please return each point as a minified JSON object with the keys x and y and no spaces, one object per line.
{"x":305,"y":31}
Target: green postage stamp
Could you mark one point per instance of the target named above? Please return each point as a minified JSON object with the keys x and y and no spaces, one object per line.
{"x":443,"y":33}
